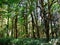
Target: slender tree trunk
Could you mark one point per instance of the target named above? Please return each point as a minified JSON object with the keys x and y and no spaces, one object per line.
{"x":33,"y":26}
{"x":38,"y":35}
{"x":16,"y":35}
{"x":52,"y":30}
{"x":26,"y":25}
{"x":36,"y":20}
{"x":1,"y":25}
{"x":12,"y":28}
{"x":7,"y":26}
{"x":47,"y":29}
{"x":1,"y":22}
{"x":55,"y":29}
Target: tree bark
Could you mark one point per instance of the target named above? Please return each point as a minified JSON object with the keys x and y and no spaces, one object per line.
{"x":16,"y":35}
{"x":33,"y":26}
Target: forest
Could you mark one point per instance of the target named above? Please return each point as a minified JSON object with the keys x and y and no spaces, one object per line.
{"x":29,"y":22}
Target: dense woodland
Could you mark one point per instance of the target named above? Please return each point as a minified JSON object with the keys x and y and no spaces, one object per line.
{"x":29,"y":20}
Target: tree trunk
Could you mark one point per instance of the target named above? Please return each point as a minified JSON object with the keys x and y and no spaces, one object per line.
{"x":7,"y":26}
{"x":45,"y":19}
{"x":16,"y":35}
{"x":26,"y":22}
{"x":47,"y":29}
{"x":26,"y":26}
{"x":36,"y":20}
{"x":12,"y":28}
{"x":52,"y":30}
{"x":33,"y":26}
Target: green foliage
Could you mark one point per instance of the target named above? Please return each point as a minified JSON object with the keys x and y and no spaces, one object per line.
{"x":21,"y":41}
{"x":55,"y":7}
{"x":11,"y":8}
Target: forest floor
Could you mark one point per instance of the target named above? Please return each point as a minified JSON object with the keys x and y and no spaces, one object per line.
{"x":28,"y":41}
